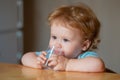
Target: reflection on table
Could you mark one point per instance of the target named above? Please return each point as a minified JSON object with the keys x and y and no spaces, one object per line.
{"x":19,"y":72}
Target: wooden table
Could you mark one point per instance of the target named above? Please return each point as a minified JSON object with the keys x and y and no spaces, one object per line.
{"x":19,"y":72}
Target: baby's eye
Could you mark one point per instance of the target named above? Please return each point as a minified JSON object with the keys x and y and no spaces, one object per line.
{"x":54,"y":37}
{"x":65,"y":40}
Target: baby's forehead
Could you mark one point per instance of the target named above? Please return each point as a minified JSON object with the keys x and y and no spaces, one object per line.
{"x":68,"y":25}
{"x":56,"y":28}
{"x":63,"y":24}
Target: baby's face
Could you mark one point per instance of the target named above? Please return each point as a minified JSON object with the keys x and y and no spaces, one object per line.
{"x":67,"y":40}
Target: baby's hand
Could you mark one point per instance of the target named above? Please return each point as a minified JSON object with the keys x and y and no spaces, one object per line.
{"x":57,"y":62}
{"x":42,"y":58}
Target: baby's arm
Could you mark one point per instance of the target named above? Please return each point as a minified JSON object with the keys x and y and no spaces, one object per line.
{"x":30,"y":59}
{"x":88,"y":64}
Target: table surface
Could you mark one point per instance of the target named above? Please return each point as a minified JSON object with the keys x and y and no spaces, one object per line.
{"x":19,"y":72}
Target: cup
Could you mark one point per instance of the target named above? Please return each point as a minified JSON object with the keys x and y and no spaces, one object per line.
{"x":51,"y":51}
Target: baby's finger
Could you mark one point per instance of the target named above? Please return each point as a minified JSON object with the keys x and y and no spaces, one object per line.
{"x":42,"y":56}
{"x":56,"y":68}
{"x":52,"y":63}
{"x":44,"y":53}
{"x":53,"y":57}
{"x":40,"y":61}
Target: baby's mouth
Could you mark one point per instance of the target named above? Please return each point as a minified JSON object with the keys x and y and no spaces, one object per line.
{"x":59,"y":52}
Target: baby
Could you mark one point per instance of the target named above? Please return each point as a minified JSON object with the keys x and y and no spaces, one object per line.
{"x":74,"y":34}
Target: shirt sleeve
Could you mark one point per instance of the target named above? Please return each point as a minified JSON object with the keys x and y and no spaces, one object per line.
{"x":38,"y":53}
{"x":88,"y":54}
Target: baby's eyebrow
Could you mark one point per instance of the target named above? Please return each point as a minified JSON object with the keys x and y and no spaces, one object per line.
{"x":67,"y":37}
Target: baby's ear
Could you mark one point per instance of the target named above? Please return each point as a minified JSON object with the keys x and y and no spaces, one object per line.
{"x":86,"y":44}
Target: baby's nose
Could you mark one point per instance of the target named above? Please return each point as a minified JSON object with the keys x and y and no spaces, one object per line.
{"x":58,"y":45}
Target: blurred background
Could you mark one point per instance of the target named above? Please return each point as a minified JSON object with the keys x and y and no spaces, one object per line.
{"x":24,"y":28}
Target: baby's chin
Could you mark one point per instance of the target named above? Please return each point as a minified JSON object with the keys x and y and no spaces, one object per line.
{"x":70,"y":56}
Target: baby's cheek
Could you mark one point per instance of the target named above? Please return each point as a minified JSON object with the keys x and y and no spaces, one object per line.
{"x":77,"y":52}
{"x":68,"y":54}
{"x":72,"y":53}
{"x":51,"y":44}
